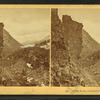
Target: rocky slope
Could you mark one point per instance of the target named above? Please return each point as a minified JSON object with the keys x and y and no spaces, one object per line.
{"x":92,"y":65}
{"x":71,"y":46}
{"x":89,"y":44}
{"x":9,"y":43}
{"x":23,"y":65}
{"x":29,"y":65}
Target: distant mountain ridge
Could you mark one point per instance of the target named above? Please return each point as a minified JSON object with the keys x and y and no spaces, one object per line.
{"x":36,"y":42}
{"x":44,"y":41}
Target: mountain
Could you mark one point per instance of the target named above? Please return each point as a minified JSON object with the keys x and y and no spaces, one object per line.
{"x":42,"y":43}
{"x":90,"y":55}
{"x":46,"y":39}
{"x":9,"y":43}
{"x":74,"y":53}
{"x":89,"y":44}
{"x":34,"y":42}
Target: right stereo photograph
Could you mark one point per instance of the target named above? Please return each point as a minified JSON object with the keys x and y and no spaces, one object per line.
{"x":75,"y":47}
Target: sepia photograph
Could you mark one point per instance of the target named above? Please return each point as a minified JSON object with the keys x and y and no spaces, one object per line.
{"x":50,"y":49}
{"x":75,"y":47}
{"x":24,"y":46}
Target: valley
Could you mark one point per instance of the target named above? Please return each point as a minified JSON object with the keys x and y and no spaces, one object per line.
{"x":24,"y":65}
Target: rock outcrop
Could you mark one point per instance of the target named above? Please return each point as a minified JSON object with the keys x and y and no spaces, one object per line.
{"x":75,"y":55}
{"x":66,"y":35}
{"x":66,"y":39}
{"x":1,"y":38}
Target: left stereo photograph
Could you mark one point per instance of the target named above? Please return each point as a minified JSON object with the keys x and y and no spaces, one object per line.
{"x":24,"y":46}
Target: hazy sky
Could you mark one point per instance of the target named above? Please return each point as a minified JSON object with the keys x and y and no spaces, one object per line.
{"x":26,"y":24}
{"x":89,"y":17}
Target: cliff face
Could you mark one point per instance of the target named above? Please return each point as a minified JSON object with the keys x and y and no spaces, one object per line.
{"x":72,"y":34}
{"x":66,"y":39}
{"x":1,"y":37}
{"x":66,"y":35}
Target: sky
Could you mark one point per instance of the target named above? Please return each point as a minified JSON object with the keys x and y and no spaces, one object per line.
{"x":26,"y":24}
{"x":90,"y":18}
